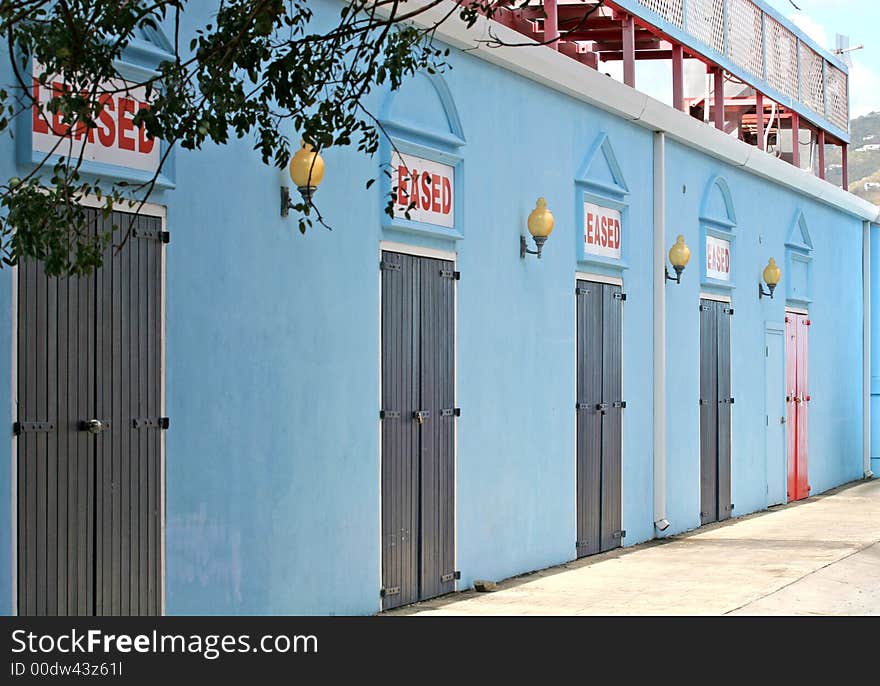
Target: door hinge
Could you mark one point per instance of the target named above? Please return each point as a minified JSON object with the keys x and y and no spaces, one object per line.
{"x":808,"y":322}
{"x":581,"y":544}
{"x":385,"y":592}
{"x":389,"y":414}
{"x":163,"y":236}
{"x":703,"y":308}
{"x":581,"y":291}
{"x":389,"y":266}
{"x":450,"y":274}
{"x":703,"y":402}
{"x":620,"y":296}
{"x":451,"y":412}
{"x":151,"y":423}
{"x":619,"y":403}
{"x":450,"y":576}
{"x":619,"y":534}
{"x":727,"y":310}
{"x":19,"y":428}
{"x":582,"y":406}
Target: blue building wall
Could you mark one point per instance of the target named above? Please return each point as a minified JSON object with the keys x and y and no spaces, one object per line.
{"x":7,"y":169}
{"x":765,"y":216}
{"x":875,"y":349}
{"x":272,"y":385}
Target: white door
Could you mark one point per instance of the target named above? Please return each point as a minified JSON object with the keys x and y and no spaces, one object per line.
{"x":774,"y":408}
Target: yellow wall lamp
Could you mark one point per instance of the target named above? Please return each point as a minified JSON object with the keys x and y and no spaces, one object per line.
{"x":679,"y":255}
{"x":540,"y":225}
{"x":772,"y":274}
{"x":307,"y":172}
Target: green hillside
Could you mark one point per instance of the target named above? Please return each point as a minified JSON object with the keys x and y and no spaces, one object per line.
{"x":864,"y":165}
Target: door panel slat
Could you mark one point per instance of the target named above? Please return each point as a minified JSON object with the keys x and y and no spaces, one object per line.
{"x":418,"y":509}
{"x":708,"y":412}
{"x":72,"y":334}
{"x":599,"y":417}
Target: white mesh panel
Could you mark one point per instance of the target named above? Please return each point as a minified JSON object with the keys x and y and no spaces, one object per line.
{"x":838,"y":104}
{"x":670,"y":10}
{"x":745,"y":40}
{"x":812,"y":85}
{"x":705,"y":22}
{"x":781,"y":58}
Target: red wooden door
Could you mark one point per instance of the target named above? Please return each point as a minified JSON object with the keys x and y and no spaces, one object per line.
{"x":790,"y":405}
{"x":803,"y":486}
{"x":797,"y":398}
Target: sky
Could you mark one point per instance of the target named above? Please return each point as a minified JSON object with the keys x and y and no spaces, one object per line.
{"x":821,"y":20}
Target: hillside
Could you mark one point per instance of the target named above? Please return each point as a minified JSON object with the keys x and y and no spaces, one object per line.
{"x":864,"y":165}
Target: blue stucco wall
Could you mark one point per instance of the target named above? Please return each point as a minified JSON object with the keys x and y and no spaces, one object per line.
{"x":7,"y":169}
{"x":282,"y":331}
{"x":835,"y":336}
{"x":875,"y":349}
{"x":274,"y":509}
{"x":272,"y":383}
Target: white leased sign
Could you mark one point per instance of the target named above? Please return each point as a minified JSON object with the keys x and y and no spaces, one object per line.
{"x":115,"y":140}
{"x":717,"y":258}
{"x":601,"y":231}
{"x":427,"y":185}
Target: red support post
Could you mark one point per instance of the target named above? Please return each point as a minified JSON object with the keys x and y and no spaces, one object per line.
{"x":678,"y":77}
{"x":759,"y":111}
{"x":719,"y":98}
{"x":844,"y":150}
{"x":629,"y":51}
{"x":820,"y":143}
{"x":551,"y":24}
{"x":795,"y":139}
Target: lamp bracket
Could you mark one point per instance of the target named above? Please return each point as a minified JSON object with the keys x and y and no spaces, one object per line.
{"x":524,"y":249}
{"x":669,"y":277}
{"x":762,"y":292}
{"x":287,"y":204}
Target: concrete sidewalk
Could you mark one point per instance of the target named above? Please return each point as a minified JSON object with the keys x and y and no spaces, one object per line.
{"x":819,"y":556}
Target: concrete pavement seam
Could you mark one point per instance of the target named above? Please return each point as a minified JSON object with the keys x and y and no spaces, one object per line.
{"x":801,"y":578}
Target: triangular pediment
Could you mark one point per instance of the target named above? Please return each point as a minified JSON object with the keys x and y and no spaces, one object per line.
{"x":601,"y":170}
{"x":799,"y":235}
{"x":154,"y":35}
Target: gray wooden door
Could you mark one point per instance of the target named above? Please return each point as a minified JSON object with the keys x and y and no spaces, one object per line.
{"x":599,"y":409}
{"x":418,"y":428}
{"x":715,"y":411}
{"x":89,"y":540}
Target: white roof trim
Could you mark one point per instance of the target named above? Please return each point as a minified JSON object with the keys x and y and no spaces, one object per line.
{"x":554,"y":70}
